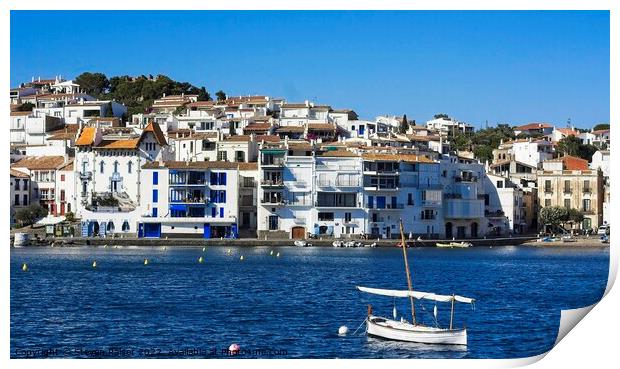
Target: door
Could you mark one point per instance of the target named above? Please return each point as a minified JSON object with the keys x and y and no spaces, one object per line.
{"x":298,"y":233}
{"x":245,"y":219}
{"x":449,"y":230}
{"x":207,"y":230}
{"x":152,"y":230}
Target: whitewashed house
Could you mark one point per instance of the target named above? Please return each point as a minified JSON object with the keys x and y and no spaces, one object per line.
{"x":504,"y":208}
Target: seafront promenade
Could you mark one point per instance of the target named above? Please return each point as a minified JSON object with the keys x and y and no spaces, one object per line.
{"x":251,"y":242}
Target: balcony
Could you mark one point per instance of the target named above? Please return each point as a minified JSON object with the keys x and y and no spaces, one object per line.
{"x":273,"y":202}
{"x":568,"y":190}
{"x":86,"y":175}
{"x":588,"y":211}
{"x":380,"y":188}
{"x":548,"y":190}
{"x":587,"y":190}
{"x":465,"y":179}
{"x":271,"y":183}
{"x":494,"y":214}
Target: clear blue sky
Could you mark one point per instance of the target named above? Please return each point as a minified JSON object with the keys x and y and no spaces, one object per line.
{"x":511,"y":67}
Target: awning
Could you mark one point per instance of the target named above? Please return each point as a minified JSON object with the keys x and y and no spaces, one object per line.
{"x":416,"y":294}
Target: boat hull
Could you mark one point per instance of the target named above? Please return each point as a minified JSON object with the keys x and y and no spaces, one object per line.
{"x":402,"y":331}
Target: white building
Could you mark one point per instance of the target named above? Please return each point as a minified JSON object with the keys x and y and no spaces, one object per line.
{"x":600,"y":160}
{"x":504,"y":206}
{"x":531,"y":152}
{"x":108,"y":181}
{"x":189,"y":199}
{"x":464,"y":197}
{"x":31,"y":128}
{"x":448,"y":126}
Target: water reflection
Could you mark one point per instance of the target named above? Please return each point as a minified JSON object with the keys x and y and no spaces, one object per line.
{"x":386,"y":348}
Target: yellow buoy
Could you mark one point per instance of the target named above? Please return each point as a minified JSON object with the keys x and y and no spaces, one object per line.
{"x":241,"y":258}
{"x":146,"y":261}
{"x":271,"y":253}
{"x":25,"y":267}
{"x":95,"y":264}
{"x":201,"y":259}
{"x":278,"y":255}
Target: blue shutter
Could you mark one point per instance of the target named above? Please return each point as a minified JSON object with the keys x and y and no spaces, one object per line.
{"x":207,"y":230}
{"x":213,"y":178}
{"x":221,"y":212}
{"x":155,"y":195}
{"x":155,"y":178}
{"x":371,"y":201}
{"x":223,"y":179}
{"x":380,"y":202}
{"x":223,"y":196}
{"x":213,"y":211}
{"x":154,"y":212}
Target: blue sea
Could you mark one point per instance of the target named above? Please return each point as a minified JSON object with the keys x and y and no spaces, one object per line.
{"x":291,"y":305}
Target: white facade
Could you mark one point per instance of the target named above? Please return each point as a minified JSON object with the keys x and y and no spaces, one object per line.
{"x":504,"y":207}
{"x":600,"y":160}
{"x":448,"y":126}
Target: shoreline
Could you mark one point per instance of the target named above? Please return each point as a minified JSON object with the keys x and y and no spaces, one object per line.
{"x":529,"y":241}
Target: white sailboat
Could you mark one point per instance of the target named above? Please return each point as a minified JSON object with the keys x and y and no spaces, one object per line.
{"x":414,"y":331}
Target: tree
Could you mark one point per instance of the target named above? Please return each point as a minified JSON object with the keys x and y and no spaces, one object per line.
{"x":404,"y":125}
{"x":574,"y":216}
{"x":27,"y":106}
{"x":221,"y":95}
{"x":70,"y":216}
{"x":93,"y":83}
{"x":441,"y":115}
{"x":601,"y":126}
{"x":553,"y":215}
{"x":30,"y":214}
{"x":569,"y":146}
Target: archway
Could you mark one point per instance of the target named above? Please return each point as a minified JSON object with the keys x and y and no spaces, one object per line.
{"x":474,"y":230}
{"x":449,"y":230}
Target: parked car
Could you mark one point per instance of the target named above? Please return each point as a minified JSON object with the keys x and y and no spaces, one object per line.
{"x":603,"y":230}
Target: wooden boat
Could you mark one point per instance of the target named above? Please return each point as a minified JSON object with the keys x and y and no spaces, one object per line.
{"x":454,"y":244}
{"x":414,"y":331}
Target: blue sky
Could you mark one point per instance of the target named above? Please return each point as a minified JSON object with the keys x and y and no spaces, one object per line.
{"x":513,"y":67}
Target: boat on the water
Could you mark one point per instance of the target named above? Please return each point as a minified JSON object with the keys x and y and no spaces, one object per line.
{"x":300,"y":243}
{"x":454,"y":244}
{"x":414,"y":331}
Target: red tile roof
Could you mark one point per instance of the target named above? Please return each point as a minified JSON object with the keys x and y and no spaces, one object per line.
{"x":530,"y":126}
{"x":159,"y":135}
{"x":87,"y":137}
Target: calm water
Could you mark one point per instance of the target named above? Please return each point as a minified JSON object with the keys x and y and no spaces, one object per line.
{"x":293,"y":304}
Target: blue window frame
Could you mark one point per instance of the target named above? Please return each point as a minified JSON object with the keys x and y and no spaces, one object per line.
{"x":213,"y":212}
{"x":218,"y":196}
{"x":218,"y":179}
{"x":371,"y":201}
{"x":221,"y":212}
{"x":155,"y":195}
{"x":380,"y":202}
{"x":222,"y":179}
{"x":155,"y":178}
{"x":154,"y":214}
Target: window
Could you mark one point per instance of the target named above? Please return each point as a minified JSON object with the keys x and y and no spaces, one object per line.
{"x":221,"y":156}
{"x":427,"y":214}
{"x":25,"y":202}
{"x":155,"y":195}
{"x":548,"y":185}
{"x":370,"y":201}
{"x":586,"y":186}
{"x":218,"y":196}
{"x":409,"y":199}
{"x":62,"y":177}
{"x":567,"y":186}
{"x":326,"y":216}
{"x":273,"y":222}
{"x":567,"y":203}
{"x":155,"y":178}
{"x":25,"y":185}
{"x":17,"y":184}
{"x":154,"y":214}
{"x":129,"y":165}
{"x":101,"y":165}
{"x":500,"y":184}
{"x":587,"y":206}
{"x":221,"y":212}
{"x":116,"y":167}
{"x":17,"y":200}
{"x":486,"y":199}
{"x":62,"y":195}
{"x":347,"y":217}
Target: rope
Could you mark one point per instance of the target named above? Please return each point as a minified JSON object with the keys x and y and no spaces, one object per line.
{"x":360,"y":326}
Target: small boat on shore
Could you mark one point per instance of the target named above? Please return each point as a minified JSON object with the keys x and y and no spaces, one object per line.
{"x":338,"y":244}
{"x":300,"y":243}
{"x":414,"y":331}
{"x":21,"y":239}
{"x":454,"y":244}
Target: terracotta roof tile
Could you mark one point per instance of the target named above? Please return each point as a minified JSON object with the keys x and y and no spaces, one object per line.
{"x":87,"y":137}
{"x":40,"y":162}
{"x":119,"y":144}
{"x":159,"y":135}
{"x":18,"y":174}
{"x":529,"y":126}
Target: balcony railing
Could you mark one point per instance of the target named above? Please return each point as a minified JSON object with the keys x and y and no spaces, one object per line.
{"x":496,"y":213}
{"x":272,"y":183}
{"x":86,"y":175}
{"x":587,"y":190}
{"x":548,"y":190}
{"x":567,"y":190}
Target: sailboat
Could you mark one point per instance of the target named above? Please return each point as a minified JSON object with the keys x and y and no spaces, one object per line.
{"x":414,"y":331}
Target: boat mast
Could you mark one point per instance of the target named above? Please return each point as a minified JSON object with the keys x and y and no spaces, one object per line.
{"x":452,"y":312}
{"x":404,"y":245}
